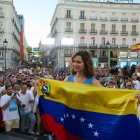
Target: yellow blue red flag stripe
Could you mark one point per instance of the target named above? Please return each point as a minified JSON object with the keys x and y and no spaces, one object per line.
{"x":75,"y":111}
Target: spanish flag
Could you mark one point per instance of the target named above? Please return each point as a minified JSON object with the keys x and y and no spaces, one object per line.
{"x":135,"y":47}
{"x":74,"y":111}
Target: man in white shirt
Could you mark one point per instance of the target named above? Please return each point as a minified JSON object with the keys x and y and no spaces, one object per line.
{"x":26,"y":109}
{"x":10,"y":109}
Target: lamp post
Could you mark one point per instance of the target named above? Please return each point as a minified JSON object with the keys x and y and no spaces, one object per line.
{"x":108,"y":47}
{"x":5,"y":43}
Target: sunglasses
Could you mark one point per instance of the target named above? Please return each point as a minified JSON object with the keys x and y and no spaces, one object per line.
{"x":129,"y":85}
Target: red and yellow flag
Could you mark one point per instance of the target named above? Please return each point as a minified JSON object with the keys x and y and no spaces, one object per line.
{"x":135,"y":47}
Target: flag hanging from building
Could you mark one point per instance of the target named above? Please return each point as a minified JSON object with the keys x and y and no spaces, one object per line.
{"x":74,"y":111}
{"x":135,"y":47}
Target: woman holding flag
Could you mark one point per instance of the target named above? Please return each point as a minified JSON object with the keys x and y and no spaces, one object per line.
{"x":82,"y":69}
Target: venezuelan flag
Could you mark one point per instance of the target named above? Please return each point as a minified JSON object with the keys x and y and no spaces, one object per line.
{"x":135,"y":47}
{"x":74,"y":111}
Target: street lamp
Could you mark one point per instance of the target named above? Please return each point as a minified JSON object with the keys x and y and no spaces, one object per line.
{"x":108,"y":47}
{"x":5,"y":43}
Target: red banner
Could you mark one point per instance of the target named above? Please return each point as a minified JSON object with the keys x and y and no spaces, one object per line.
{"x":21,"y":46}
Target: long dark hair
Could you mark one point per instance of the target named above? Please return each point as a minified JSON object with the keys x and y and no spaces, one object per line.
{"x":88,"y":64}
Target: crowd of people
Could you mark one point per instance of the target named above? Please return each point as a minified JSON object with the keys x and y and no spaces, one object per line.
{"x":19,"y":94}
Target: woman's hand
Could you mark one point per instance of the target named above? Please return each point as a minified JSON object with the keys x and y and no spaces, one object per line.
{"x":138,"y":97}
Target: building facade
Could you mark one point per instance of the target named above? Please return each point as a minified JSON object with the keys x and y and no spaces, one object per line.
{"x":10,"y":28}
{"x":106,"y":30}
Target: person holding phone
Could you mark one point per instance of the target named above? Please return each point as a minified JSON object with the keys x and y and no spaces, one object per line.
{"x":9,"y":105}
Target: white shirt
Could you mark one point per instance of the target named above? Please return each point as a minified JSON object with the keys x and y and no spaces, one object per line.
{"x":25,"y":98}
{"x":137,"y":86}
{"x":11,"y":112}
{"x":139,"y":111}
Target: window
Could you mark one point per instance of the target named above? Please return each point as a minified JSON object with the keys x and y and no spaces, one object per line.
{"x":133,"y":28}
{"x":82,"y":14}
{"x":113,"y":27}
{"x":103,"y":15}
{"x":133,"y":54}
{"x":124,"y":41}
{"x":93,"y":40}
{"x":1,"y":53}
{"x":123,"y":54}
{"x":103,"y":27}
{"x":103,"y":41}
{"x":113,"y":14}
{"x":133,"y":15}
{"x":82,"y":40}
{"x":113,"y":41}
{"x":1,"y":11}
{"x":1,"y":25}
{"x":104,"y":53}
{"x":82,"y":26}
{"x":68,"y":25}
{"x":123,"y":28}
{"x":68,"y":15}
{"x":68,"y":52}
{"x":93,"y":15}
{"x":92,"y":27}
{"x":133,"y":41}
{"x":124,"y":15}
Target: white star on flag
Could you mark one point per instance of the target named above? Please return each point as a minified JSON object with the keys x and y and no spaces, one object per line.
{"x":73,"y":116}
{"x":62,"y":119}
{"x":67,"y":115}
{"x":96,"y":134}
{"x":82,"y":119}
{"x":90,"y":125}
{"x":64,"y":116}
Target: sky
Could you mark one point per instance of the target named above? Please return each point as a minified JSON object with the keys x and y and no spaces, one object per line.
{"x":37,"y":15}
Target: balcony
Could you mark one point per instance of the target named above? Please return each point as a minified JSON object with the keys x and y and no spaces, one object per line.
{"x":103,"y":32}
{"x":134,"y":33}
{"x":82,"y":31}
{"x":82,"y":45}
{"x":113,"y":19}
{"x":69,"y":30}
{"x":112,"y":46}
{"x":103,"y":18}
{"x":124,"y":33}
{"x":92,"y":46}
{"x":68,"y":16}
{"x":16,"y":38}
{"x":93,"y":18}
{"x":103,"y":58}
{"x":82,"y":17}
{"x":1,"y":15}
{"x":113,"y":32}
{"x":124,"y":46}
{"x":103,"y":46}
{"x":134,"y":19}
{"x":92,"y":31}
{"x":124,"y":19}
{"x":134,"y":56}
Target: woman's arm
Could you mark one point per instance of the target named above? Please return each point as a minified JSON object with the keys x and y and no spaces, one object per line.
{"x":96,"y":82}
{"x":138,"y":97}
{"x":66,"y":79}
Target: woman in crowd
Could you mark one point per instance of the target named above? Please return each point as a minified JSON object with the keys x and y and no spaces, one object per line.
{"x":82,"y":69}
